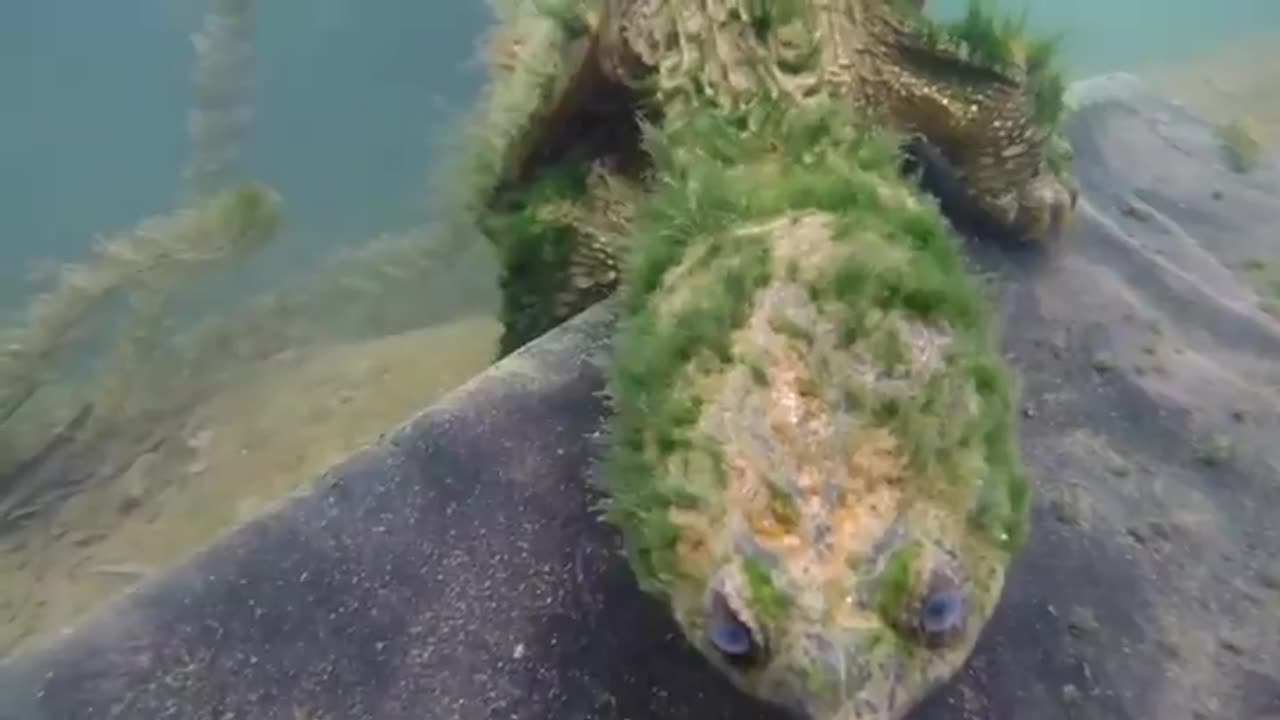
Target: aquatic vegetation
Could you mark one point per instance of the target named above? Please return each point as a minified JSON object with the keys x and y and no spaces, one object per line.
{"x":126,"y":350}
{"x":161,"y":250}
{"x":134,"y":335}
{"x":217,"y":222}
{"x":1241,"y":144}
{"x":220,"y":116}
{"x":216,"y":124}
{"x":413,"y":278}
{"x":1002,"y":44}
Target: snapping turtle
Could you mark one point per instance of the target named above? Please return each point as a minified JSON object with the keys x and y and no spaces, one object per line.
{"x":812,"y":455}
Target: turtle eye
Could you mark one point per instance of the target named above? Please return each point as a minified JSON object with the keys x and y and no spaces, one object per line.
{"x":942,"y":616}
{"x":729,"y":635}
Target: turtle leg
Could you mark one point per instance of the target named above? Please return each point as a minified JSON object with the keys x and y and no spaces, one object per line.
{"x":1005,"y":159}
{"x":551,"y":215}
{"x":881,"y":55}
{"x":561,"y":247}
{"x":999,"y":160}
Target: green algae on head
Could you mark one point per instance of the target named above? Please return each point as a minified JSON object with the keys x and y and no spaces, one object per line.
{"x":812,"y":453}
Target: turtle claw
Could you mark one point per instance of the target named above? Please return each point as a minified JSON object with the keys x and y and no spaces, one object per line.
{"x":1045,"y":207}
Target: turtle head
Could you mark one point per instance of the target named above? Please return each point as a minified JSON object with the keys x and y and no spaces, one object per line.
{"x":869,"y":642}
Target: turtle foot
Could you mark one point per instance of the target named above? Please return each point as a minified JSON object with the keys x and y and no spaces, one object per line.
{"x":1044,"y":208}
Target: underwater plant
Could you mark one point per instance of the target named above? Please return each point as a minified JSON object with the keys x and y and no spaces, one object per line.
{"x":220,"y":115}
{"x":118,"y":374}
{"x":382,"y":284}
{"x":216,"y":125}
{"x":217,"y":221}
{"x":162,"y":250}
{"x":1241,"y":144}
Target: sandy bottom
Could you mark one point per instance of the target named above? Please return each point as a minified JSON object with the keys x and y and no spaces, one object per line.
{"x":276,"y":428}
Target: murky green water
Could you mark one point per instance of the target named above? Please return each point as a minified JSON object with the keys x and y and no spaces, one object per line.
{"x":352,"y":109}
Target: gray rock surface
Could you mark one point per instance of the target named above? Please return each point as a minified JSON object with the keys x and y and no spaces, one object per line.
{"x":457,"y":572}
{"x":1151,"y":402}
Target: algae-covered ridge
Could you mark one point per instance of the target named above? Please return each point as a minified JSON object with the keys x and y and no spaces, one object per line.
{"x":1002,"y":44}
{"x":569,"y":78}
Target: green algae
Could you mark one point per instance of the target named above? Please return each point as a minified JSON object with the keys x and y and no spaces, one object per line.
{"x":708,"y":170}
{"x":896,"y":583}
{"x":768,"y":601}
{"x":1241,"y":144}
{"x":1002,"y":44}
{"x":534,"y":255}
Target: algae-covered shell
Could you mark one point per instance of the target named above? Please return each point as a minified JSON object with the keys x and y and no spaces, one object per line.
{"x":813,"y":454}
{"x":533,"y":52}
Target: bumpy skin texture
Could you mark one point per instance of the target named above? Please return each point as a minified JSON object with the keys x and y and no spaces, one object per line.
{"x":812,"y":455}
{"x":555,"y":78}
{"x":876,"y":54}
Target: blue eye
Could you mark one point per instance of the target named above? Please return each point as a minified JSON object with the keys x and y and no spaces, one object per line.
{"x":942,"y":616}
{"x":729,"y":636}
{"x":726,"y":632}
